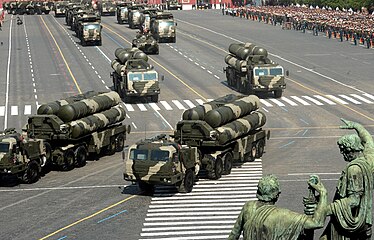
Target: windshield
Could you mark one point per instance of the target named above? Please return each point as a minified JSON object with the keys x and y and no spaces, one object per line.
{"x":166,"y":24}
{"x":91,"y":26}
{"x":261,"y":72}
{"x":135,"y":77}
{"x":4,"y":147}
{"x":276,"y":71}
{"x":159,"y":155}
{"x":138,"y":154}
{"x":150,"y":76}
{"x":124,"y":10}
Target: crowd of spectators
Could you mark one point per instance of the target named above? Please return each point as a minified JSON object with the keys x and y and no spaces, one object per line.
{"x":356,"y":27}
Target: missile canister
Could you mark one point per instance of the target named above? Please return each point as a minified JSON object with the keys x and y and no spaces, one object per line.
{"x":240,"y":127}
{"x":232,"y":111}
{"x":97,"y":121}
{"x":238,"y":64}
{"x":124,"y":54}
{"x":88,"y":106}
{"x":54,"y":107}
{"x":240,"y":50}
{"x":259,"y":51}
{"x":198,"y":112}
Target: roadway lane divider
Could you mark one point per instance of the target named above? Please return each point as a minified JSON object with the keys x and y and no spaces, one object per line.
{"x":62,"y":55}
{"x":8,"y":76}
{"x":84,"y":56}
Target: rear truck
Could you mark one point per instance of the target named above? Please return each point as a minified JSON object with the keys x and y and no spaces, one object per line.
{"x":88,"y":29}
{"x":107,"y":8}
{"x":250,"y":71}
{"x":173,"y":5}
{"x":77,"y":126}
{"x":208,"y":140}
{"x":145,"y":18}
{"x":161,"y":161}
{"x":59,"y":8}
{"x":21,"y":157}
{"x":163,"y":27}
{"x":122,"y":12}
{"x":133,"y":77}
{"x":134,"y":15}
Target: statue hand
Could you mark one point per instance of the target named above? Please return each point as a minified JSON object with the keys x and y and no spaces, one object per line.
{"x":315,"y":183}
{"x":348,"y":124}
{"x":309,"y":206}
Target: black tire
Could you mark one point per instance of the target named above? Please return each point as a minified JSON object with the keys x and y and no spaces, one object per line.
{"x":188,"y":181}
{"x":145,"y":187}
{"x":48,"y":151}
{"x":81,"y":156}
{"x":278,"y":93}
{"x":120,"y":142}
{"x":174,"y":40}
{"x":111,"y":148}
{"x":251,"y":155}
{"x":69,"y":160}
{"x":32,"y":173}
{"x":218,"y":169}
{"x":99,"y":43}
{"x":260,"y":147}
{"x":228,"y":160}
{"x":83,"y":43}
{"x":154,"y":98}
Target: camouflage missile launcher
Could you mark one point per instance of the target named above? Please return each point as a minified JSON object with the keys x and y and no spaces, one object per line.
{"x":146,"y":43}
{"x":249,"y":70}
{"x":78,"y":126}
{"x":107,"y":8}
{"x":88,"y":28}
{"x":145,"y":18}
{"x":226,"y":130}
{"x":133,"y":77}
{"x":163,"y":27}
{"x":134,"y":15}
{"x":122,"y":12}
{"x":160,"y":161}
{"x":21,"y":157}
{"x":59,"y":8}
{"x":173,"y":5}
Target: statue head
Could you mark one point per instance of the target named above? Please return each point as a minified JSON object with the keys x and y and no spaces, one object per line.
{"x":268,"y":189}
{"x":350,"y":146}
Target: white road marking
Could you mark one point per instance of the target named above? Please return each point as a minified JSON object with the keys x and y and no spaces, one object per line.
{"x":141,"y":107}
{"x":129,"y":107}
{"x":277,"y":102}
{"x":154,"y":106}
{"x":369,"y":96}
{"x":266,"y":103}
{"x":292,"y":103}
{"x":300,"y":100}
{"x":216,"y":76}
{"x":166,"y":105}
{"x":2,"y":111}
{"x":210,"y":72}
{"x":14,"y":110}
{"x":326,"y":100}
{"x":350,"y":99}
{"x":336,"y":99}
{"x":313,"y":100}
{"x":7,"y":76}
{"x":361,"y":98}
{"x":189,"y":103}
{"x":27,"y":110}
{"x":178,"y":104}
{"x":199,"y":101}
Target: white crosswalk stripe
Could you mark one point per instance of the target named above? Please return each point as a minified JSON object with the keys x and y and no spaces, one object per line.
{"x":14,"y":110}
{"x":326,"y":100}
{"x":199,"y":101}
{"x":369,"y":96}
{"x":189,"y":103}
{"x":27,"y":110}
{"x":277,"y":102}
{"x":350,"y":99}
{"x":154,"y":106}
{"x":313,"y":100}
{"x":336,"y":99}
{"x":2,"y":111}
{"x":178,"y":104}
{"x":266,"y":103}
{"x":141,"y":107}
{"x":289,"y":101}
{"x":129,"y":107}
{"x":361,"y":98}
{"x":166,"y":105}
{"x":300,"y":100}
{"x":208,"y":212}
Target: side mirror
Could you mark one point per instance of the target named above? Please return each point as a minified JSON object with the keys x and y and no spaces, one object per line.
{"x":176,"y":24}
{"x":162,"y":78}
{"x":287,"y":73}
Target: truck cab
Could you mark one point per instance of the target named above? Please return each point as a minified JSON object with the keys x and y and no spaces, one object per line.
{"x":163,"y":27}
{"x":159,"y":161}
{"x":134,"y":15}
{"x":266,"y":78}
{"x":90,"y":33}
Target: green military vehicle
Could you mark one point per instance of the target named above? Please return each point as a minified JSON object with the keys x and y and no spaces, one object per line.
{"x":122,"y":12}
{"x":133,"y":77}
{"x":21,"y":157}
{"x":88,"y":29}
{"x":59,"y":8}
{"x":250,"y":71}
{"x":42,"y":7}
{"x":77,"y":126}
{"x":134,"y":15}
{"x":17,"y":7}
{"x":107,"y":8}
{"x":208,"y":140}
{"x":160,"y":160}
{"x":145,"y":18}
{"x":163,"y":27}
{"x":146,"y":43}
{"x":71,"y":10}
{"x":173,"y":5}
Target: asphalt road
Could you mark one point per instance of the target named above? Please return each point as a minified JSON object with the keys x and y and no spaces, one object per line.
{"x":328,"y":80}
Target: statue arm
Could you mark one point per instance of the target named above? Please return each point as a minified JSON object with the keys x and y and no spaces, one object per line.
{"x":238,"y":227}
{"x":319,"y":216}
{"x":365,"y":136}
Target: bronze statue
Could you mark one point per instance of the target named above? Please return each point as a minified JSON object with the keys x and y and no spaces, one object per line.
{"x":261,"y":219}
{"x":351,"y":210}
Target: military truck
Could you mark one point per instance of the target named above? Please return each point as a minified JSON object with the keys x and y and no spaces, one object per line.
{"x":134,"y":15}
{"x":122,"y":12}
{"x":145,"y":18}
{"x":71,"y":10}
{"x":133,"y":77}
{"x":88,"y":29}
{"x":250,"y":71}
{"x":163,"y":27}
{"x":173,"y":5}
{"x":160,"y":160}
{"x":21,"y":157}
{"x":146,"y":43}
{"x":208,"y":140}
{"x":17,"y":8}
{"x":42,"y":7}
{"x":59,"y":8}
{"x":77,"y":126}
{"x":107,"y":8}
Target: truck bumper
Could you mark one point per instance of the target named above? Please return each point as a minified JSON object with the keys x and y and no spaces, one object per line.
{"x":12,"y":169}
{"x":155,"y":179}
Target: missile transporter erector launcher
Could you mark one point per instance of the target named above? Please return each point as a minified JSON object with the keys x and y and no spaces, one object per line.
{"x":75,"y":127}
{"x":133,"y":77}
{"x":146,"y":43}
{"x":249,"y":70}
{"x":163,"y":27}
{"x":88,"y":29}
{"x":59,"y":8}
{"x":208,"y":139}
{"x":134,"y":15}
{"x":107,"y":8}
{"x":21,"y":157}
{"x":122,"y":12}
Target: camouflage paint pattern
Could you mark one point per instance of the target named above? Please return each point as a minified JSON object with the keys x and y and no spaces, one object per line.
{"x":146,"y":43}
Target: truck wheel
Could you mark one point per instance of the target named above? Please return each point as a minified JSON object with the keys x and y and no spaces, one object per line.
{"x":154,"y":98}
{"x":251,"y":156}
{"x":81,"y":156}
{"x":227,"y":163}
{"x":260,"y":146}
{"x":83,"y":43}
{"x":187,"y":182}
{"x":48,"y":151}
{"x":69,"y":160}
{"x":174,"y":40}
{"x":32,"y":172}
{"x":218,"y":169}
{"x":99,"y":43}
{"x":112,"y":147}
{"x":145,"y":187}
{"x":120,"y":142}
{"x":278,"y":93}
